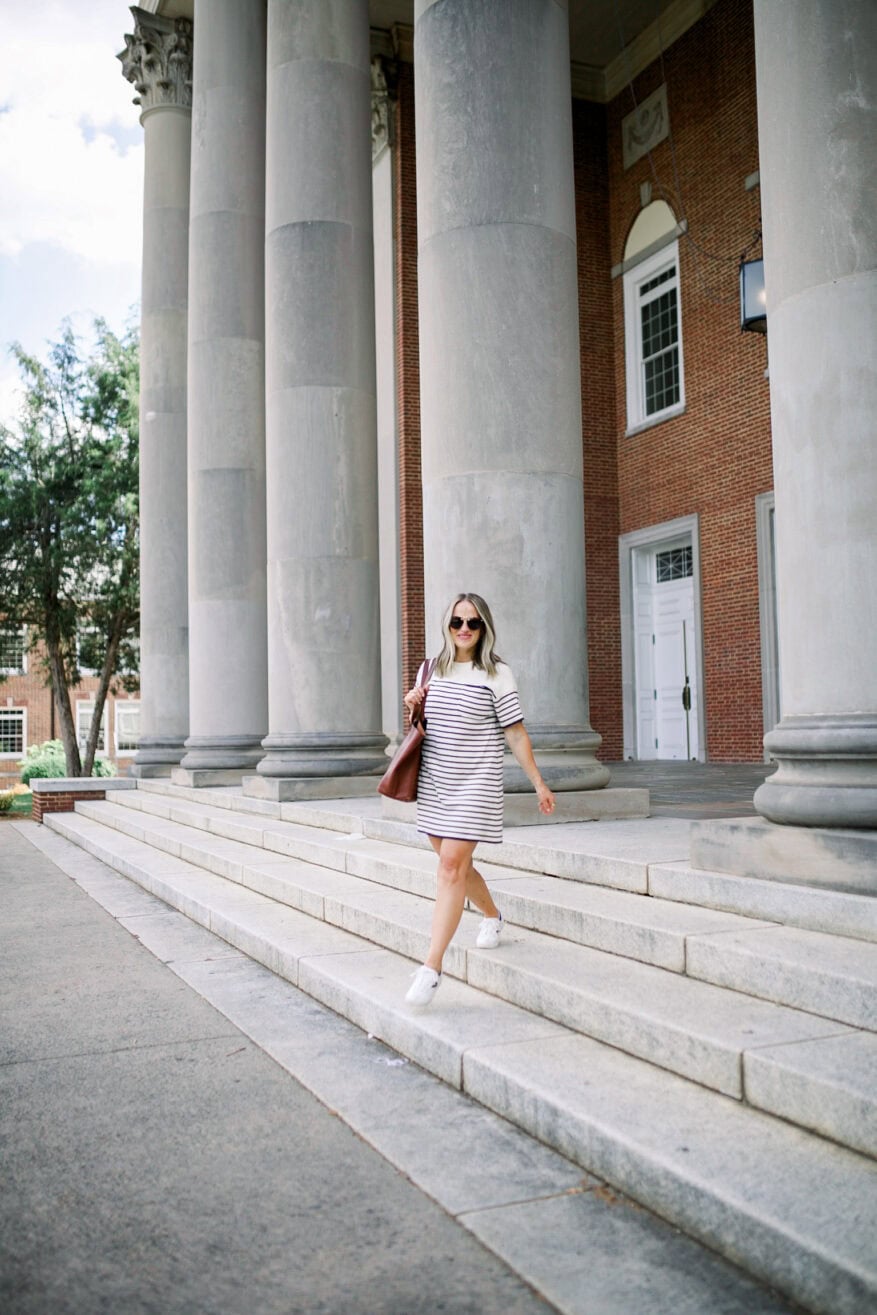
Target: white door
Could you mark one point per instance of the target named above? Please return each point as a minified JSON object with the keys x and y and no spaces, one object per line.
{"x":666,"y":674}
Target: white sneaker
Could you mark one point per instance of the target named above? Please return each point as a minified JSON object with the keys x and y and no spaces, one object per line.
{"x":424,"y":986}
{"x":489,"y":933}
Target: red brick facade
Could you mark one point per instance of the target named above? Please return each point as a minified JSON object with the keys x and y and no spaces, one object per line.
{"x":31,"y":692}
{"x":710,"y":461}
{"x":408,"y":380}
{"x":715,"y":458}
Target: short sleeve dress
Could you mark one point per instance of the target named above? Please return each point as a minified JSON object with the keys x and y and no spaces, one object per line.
{"x":460,"y":788}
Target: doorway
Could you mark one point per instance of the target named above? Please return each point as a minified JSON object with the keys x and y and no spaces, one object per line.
{"x":663,"y":705}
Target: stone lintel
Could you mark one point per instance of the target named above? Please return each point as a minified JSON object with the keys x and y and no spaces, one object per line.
{"x":834,"y":858}
{"x":287,"y":789}
{"x":572,"y":806}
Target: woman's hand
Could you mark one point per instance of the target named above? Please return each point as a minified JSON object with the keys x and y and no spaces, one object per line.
{"x":546,"y":798}
{"x":414,"y":700}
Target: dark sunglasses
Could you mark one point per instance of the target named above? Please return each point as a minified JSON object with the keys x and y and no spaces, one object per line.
{"x":457,"y":623}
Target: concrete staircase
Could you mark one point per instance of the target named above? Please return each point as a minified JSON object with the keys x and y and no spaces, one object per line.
{"x":703,"y":1042}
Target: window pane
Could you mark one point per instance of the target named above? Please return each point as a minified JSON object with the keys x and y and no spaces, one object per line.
{"x":12,"y":650}
{"x":11,"y":730}
{"x":658,"y":280}
{"x":675,"y":564}
{"x":127,"y":725}
{"x":84,"y":714}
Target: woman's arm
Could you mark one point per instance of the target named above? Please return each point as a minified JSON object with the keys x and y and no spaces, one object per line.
{"x":518,"y":741}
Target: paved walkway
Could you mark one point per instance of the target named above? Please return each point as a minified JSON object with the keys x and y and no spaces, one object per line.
{"x":695,"y":790}
{"x":155,"y":1158}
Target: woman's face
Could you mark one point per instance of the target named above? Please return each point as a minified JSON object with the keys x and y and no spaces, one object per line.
{"x":467,"y":637}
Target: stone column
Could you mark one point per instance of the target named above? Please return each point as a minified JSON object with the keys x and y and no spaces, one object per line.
{"x":228,"y":660}
{"x":499,"y":353}
{"x":323,"y":605}
{"x":817,"y":94}
{"x":158,"y":61}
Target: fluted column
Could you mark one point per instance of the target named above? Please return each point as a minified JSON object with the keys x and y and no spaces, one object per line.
{"x":228,"y":663}
{"x":158,"y":60}
{"x":323,"y":603}
{"x":817,"y":95}
{"x":499,"y":353}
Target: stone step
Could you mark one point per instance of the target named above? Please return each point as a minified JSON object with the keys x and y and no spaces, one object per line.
{"x":778,"y":968}
{"x":792,"y":1208}
{"x":635,"y":926}
{"x":607,"y":853}
{"x":808,"y":907}
{"x":689,"y":1027}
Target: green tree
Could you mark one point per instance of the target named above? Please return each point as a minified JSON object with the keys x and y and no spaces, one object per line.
{"x":69,"y":519}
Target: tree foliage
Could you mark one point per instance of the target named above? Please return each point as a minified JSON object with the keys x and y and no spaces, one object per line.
{"x":69,"y":519}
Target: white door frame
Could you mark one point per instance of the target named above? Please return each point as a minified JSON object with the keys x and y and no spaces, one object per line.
{"x":651,"y":537}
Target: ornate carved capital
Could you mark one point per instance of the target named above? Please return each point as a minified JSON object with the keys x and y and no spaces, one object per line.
{"x":384,"y":77}
{"x":158,"y":60}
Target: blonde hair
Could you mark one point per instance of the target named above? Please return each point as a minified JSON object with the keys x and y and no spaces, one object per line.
{"x":485,"y":655}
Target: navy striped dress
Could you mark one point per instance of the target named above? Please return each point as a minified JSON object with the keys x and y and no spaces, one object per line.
{"x":459,"y":791}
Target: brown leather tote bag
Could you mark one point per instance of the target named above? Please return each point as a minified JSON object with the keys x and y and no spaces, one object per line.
{"x":399,"y":781}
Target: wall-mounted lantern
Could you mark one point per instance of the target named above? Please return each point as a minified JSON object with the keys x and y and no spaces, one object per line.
{"x":753,"y":304}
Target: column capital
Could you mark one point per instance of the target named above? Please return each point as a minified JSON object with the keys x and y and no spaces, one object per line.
{"x":157,"y":59}
{"x":384,"y":78}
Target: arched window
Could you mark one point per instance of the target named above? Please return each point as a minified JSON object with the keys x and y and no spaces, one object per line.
{"x":652,"y":318}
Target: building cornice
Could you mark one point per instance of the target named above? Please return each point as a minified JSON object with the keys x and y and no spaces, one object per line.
{"x":603,"y":85}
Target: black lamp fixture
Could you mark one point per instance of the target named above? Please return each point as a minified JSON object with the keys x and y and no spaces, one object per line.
{"x":753,"y":304}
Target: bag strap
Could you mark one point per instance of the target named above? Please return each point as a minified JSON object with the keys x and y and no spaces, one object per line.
{"x":427,"y":667}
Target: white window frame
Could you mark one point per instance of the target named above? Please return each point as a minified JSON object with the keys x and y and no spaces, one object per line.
{"x":22,"y":670}
{"x":643,"y":272}
{"x":82,"y":705}
{"x":5,"y":756}
{"x":123,"y":706}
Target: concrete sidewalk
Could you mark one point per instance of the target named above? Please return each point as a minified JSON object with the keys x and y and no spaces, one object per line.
{"x":156,"y":1158}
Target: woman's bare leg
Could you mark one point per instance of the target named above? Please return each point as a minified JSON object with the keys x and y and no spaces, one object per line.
{"x":477,"y":889}
{"x":455,"y":863}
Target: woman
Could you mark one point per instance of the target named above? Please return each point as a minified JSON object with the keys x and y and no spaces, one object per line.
{"x":473,"y":701}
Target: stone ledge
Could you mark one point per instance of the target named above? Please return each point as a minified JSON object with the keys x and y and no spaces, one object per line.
{"x":572,"y":806}
{"x":843,"y":860}
{"x":84,"y":785}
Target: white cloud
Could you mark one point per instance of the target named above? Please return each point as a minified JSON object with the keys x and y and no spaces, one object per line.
{"x":64,"y":179}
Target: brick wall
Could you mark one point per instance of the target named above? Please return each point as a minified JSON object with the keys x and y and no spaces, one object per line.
{"x":31,"y":692}
{"x":61,"y":802}
{"x":599,"y":436}
{"x":715,"y":458}
{"x":408,"y":380}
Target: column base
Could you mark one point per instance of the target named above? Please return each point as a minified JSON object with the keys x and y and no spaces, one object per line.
{"x":202,"y":778}
{"x":566,"y":758}
{"x":323,"y":756}
{"x":836,"y":859}
{"x":826,"y":774}
{"x":157,"y":755}
{"x":224,"y":753}
{"x":289,"y":789}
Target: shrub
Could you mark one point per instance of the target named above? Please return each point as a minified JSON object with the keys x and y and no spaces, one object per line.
{"x":7,"y":799}
{"x":46,"y":762}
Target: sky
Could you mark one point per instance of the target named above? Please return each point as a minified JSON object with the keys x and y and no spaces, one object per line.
{"x":71,"y":176}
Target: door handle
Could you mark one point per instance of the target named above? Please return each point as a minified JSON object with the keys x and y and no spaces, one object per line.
{"x":686,"y":696}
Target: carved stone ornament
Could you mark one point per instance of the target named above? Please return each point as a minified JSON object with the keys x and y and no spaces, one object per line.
{"x":383,"y":87}
{"x":644,"y":127}
{"x":158,"y":60}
